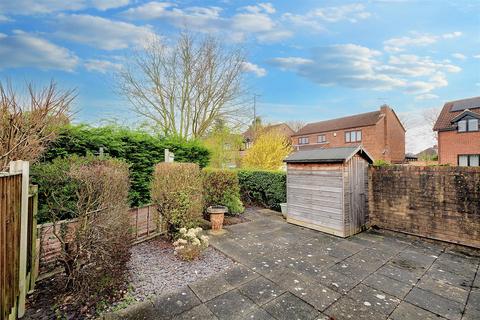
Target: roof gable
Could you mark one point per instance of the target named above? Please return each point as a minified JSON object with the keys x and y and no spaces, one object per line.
{"x":453,"y":109}
{"x":464,"y":114}
{"x":355,"y":121}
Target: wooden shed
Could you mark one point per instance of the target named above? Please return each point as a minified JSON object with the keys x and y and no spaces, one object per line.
{"x":327,"y":189}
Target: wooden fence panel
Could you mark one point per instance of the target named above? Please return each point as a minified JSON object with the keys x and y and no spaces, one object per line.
{"x":17,"y":240}
{"x":10,"y":200}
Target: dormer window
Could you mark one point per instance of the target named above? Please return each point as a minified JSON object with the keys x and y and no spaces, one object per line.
{"x":467,"y":124}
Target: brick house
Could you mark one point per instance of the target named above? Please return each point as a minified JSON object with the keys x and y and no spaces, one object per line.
{"x":458,"y":133}
{"x":249,"y":135}
{"x":380,"y":132}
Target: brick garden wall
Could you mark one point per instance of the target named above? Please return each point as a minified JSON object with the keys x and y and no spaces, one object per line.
{"x":144,"y":224}
{"x":436,"y":202}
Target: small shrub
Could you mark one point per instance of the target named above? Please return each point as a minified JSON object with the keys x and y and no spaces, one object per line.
{"x":177,"y":190}
{"x":190,"y":243}
{"x":94,"y":192}
{"x":266,"y":188}
{"x":221,"y":187}
{"x":381,"y":163}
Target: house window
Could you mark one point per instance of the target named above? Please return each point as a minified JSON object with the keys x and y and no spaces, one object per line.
{"x":468,"y":124}
{"x":303,"y":140}
{"x":321,"y":138}
{"x":469,"y":160}
{"x":353,"y":136}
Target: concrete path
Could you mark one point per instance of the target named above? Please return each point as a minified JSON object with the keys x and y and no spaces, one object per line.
{"x":289,"y":272}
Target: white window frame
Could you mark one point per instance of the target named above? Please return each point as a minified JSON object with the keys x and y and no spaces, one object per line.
{"x":303,"y":140}
{"x":353,"y":136}
{"x":467,"y":160}
{"x":321,"y":138}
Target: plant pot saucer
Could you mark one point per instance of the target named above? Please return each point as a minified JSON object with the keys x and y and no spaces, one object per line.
{"x":217,"y":232}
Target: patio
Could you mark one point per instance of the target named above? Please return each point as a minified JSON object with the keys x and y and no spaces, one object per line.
{"x":289,"y":272}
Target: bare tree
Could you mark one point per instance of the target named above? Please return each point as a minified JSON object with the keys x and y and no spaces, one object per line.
{"x":430,"y":116}
{"x":296,"y":124}
{"x":183,"y":89}
{"x":28,"y":121}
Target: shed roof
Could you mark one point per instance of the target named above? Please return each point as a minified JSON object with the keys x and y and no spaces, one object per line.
{"x":328,"y":155}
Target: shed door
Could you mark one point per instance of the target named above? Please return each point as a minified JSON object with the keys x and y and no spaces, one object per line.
{"x":314,"y":196}
{"x":357,"y":174}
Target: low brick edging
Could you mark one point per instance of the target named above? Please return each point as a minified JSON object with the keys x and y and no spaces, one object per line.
{"x":441,"y":203}
{"x":143,"y":220}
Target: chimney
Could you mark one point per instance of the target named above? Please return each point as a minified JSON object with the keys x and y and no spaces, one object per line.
{"x":384,"y":108}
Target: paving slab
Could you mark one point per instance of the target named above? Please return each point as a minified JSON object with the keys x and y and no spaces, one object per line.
{"x":348,"y":309}
{"x":172,"y":304}
{"x":211,"y":287}
{"x":239,"y":275}
{"x":444,"y":289}
{"x":408,"y":311}
{"x":261,"y":290}
{"x":337,"y":281}
{"x":316,"y":294}
{"x":455,"y":279}
{"x":231,"y":305}
{"x":474,"y":300}
{"x":388,"y":285}
{"x":399,"y":273}
{"x":140,"y":311}
{"x":290,"y":307}
{"x":259,"y":314}
{"x":378,"y":300}
{"x":435,"y":303}
{"x":200,"y":312}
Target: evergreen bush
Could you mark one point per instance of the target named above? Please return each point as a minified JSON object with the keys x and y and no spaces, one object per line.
{"x":266,"y":188}
{"x":221,"y":187}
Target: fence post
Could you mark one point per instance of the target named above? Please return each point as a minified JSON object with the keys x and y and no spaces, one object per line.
{"x":33,"y":254}
{"x":24,"y":169}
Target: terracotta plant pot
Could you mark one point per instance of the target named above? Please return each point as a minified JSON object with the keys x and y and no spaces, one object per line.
{"x":217,"y":214}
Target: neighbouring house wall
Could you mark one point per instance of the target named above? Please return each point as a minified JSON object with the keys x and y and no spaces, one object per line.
{"x":144,"y":223}
{"x":395,"y":137}
{"x":370,"y":140}
{"x":383,"y":141}
{"x":436,"y":202}
{"x":453,"y":143}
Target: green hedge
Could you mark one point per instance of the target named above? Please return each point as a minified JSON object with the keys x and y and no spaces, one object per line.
{"x":267,"y":188}
{"x":139,"y":149}
{"x":221,"y":187}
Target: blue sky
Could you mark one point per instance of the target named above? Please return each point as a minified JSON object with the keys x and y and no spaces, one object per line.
{"x":307,"y":60}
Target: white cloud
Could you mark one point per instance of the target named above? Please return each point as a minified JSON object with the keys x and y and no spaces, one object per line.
{"x":265,"y":7}
{"x":477,"y":56}
{"x":459,"y":56}
{"x":416,"y":40}
{"x":21,"y":49}
{"x":257,"y":70}
{"x":30,"y":7}
{"x":452,"y":35}
{"x":254,"y":20}
{"x":4,"y":18}
{"x":204,"y":19}
{"x":316,"y":18}
{"x":102,"y":66}
{"x":426,"y":96}
{"x":100,"y":32}
{"x":356,"y":66}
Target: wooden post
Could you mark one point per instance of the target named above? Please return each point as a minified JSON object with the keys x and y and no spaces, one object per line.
{"x":148,"y":220}
{"x":33,"y":271}
{"x":23,"y":167}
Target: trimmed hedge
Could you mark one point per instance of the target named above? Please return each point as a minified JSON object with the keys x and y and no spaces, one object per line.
{"x":221,"y":187}
{"x":267,"y":188}
{"x":177,"y":191}
{"x":139,"y":149}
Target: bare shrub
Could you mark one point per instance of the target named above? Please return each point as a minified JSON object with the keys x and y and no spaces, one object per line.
{"x":178,"y":192}
{"x":95,"y":254}
{"x":29,"y":121}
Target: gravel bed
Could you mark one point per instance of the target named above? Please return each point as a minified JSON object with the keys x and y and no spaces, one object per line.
{"x":154,"y":269}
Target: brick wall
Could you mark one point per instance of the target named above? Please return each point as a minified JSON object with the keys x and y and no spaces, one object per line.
{"x":453,"y":143}
{"x":436,"y":202}
{"x":142,"y":220}
{"x":395,"y":137}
